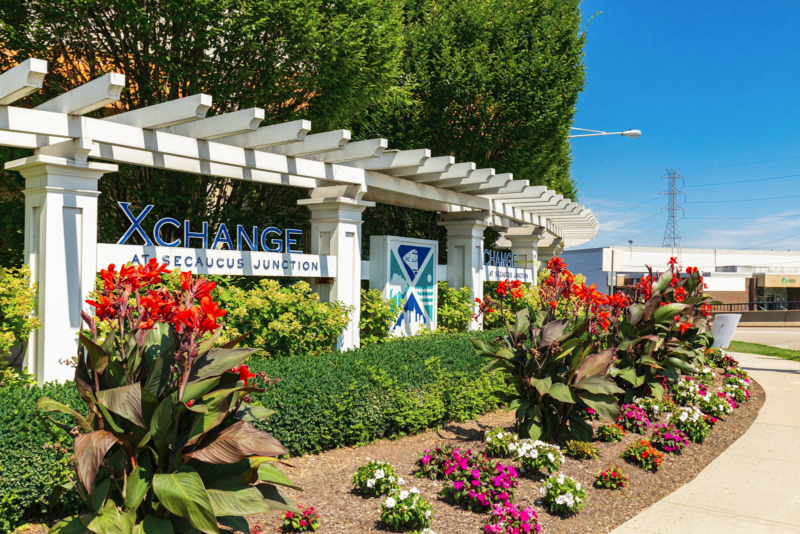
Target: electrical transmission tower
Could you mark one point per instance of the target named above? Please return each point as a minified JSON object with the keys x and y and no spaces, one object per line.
{"x":672,"y":233}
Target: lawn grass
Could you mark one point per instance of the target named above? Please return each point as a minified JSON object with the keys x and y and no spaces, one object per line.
{"x":766,"y":350}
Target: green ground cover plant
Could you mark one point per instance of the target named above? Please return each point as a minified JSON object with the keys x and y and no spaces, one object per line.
{"x":766,"y":350}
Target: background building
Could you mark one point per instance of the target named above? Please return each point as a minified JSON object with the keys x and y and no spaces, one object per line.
{"x":759,"y":279}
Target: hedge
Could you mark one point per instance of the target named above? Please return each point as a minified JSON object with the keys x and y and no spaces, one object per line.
{"x":322,"y":402}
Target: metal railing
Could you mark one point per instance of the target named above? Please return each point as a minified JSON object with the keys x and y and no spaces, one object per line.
{"x":758,"y":306}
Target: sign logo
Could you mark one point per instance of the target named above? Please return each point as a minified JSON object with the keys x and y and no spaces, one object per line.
{"x":785,"y":280}
{"x":412,"y":272}
{"x":282,"y":240}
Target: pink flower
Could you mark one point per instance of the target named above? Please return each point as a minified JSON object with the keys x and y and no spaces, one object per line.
{"x":476,"y":482}
{"x":458,"y":484}
{"x":426,"y":459}
{"x":476,"y":473}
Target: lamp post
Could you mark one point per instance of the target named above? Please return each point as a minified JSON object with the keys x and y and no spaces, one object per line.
{"x":633,"y":134}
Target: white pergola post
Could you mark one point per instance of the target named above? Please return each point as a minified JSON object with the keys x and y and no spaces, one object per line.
{"x":465,"y":251}
{"x":61,"y":251}
{"x":336,"y":231}
{"x":548,"y":253}
{"x":525,"y":246}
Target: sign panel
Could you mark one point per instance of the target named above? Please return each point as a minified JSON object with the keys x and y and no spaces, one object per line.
{"x":501,"y":265}
{"x":782,"y":280}
{"x":723,"y":328}
{"x":404,"y":269}
{"x":231,"y":262}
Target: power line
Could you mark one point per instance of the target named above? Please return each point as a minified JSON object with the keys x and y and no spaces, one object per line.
{"x":751,"y":247}
{"x":631,"y":224}
{"x":730,"y":218}
{"x":740,"y":164}
{"x":742,"y":200}
{"x":633,"y":208}
{"x":746,"y":181}
{"x":651,"y":184}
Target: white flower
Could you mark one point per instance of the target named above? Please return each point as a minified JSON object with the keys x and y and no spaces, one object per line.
{"x":551,"y":457}
{"x":488,"y":439}
{"x":403,"y":495}
{"x":371,"y":483}
{"x":389,"y":502}
{"x":578,"y":486}
{"x":391,"y":479}
{"x":427,"y":515}
{"x":414,"y":490}
{"x":379,"y":474}
{"x":427,"y":531}
{"x":400,"y":481}
{"x":543,"y":491}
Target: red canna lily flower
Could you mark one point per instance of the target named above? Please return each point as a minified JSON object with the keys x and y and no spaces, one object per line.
{"x":106,"y":308}
{"x":244,"y":372}
{"x":672,"y":262}
{"x":186,"y":280}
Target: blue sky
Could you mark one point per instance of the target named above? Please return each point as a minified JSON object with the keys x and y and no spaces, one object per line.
{"x":714,"y":86}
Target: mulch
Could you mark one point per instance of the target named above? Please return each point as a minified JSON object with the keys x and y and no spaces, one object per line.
{"x":326,"y":479}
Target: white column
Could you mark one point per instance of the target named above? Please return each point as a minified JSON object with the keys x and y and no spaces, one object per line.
{"x":336,"y":231}
{"x":525,"y":246}
{"x":61,"y":250}
{"x":548,"y":253}
{"x":465,"y":252}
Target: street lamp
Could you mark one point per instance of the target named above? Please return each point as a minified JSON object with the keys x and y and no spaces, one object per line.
{"x":633,"y":134}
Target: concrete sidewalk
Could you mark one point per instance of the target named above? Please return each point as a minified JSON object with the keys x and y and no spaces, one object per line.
{"x":753,"y":486}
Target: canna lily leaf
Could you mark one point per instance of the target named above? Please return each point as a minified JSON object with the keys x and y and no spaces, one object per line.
{"x":277,"y":499}
{"x":663,"y":282}
{"x":668,"y":311}
{"x":69,"y":525}
{"x":595,"y":364}
{"x":138,"y":484}
{"x":99,"y":493}
{"x":581,"y":430}
{"x":600,"y":384}
{"x":216,"y":361}
{"x":230,"y":496}
{"x":160,"y":341}
{"x":562,"y":393}
{"x":250,"y":412}
{"x":233,"y":342}
{"x":154,"y":525}
{"x":605,"y":405}
{"x":184,"y":494}
{"x":98,"y":359}
{"x":679,"y":364}
{"x":652,"y":305}
{"x":552,"y":331}
{"x":542,"y":385}
{"x":657,"y":389}
{"x":237,"y":524}
{"x":125,"y":401}
{"x":522,"y":322}
{"x":160,"y":375}
{"x":237,"y":442}
{"x":89,"y":452}
{"x":50,"y":405}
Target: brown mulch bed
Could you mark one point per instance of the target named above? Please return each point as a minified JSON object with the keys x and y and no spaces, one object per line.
{"x":326,"y":479}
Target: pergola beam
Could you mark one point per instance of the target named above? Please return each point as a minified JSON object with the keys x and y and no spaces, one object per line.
{"x":392,"y":159}
{"x":371,"y":148}
{"x":392,"y":184}
{"x":233,"y":123}
{"x":22,"y":80}
{"x":187,"y":109}
{"x":267,"y":136}
{"x":313,"y":144}
{"x":438,"y":164}
{"x":457,"y":171}
{"x":492,"y":182}
{"x":96,"y":94}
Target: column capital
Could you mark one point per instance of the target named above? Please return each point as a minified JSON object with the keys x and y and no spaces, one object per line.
{"x":59,"y":175}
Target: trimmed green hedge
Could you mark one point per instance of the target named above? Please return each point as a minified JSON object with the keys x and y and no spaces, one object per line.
{"x":322,"y":402}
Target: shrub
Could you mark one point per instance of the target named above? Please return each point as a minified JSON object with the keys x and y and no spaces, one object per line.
{"x":478,"y":481}
{"x":643,"y":454}
{"x":580,"y":450}
{"x":687,"y":390}
{"x":497,"y":442}
{"x":537,"y":455}
{"x":376,"y":478}
{"x":691,"y":421}
{"x":169,"y":414}
{"x":610,"y":433}
{"x":455,"y":308}
{"x":378,"y":315}
{"x":507,"y":518}
{"x":306,"y":521}
{"x":716,"y":404}
{"x":590,"y":414}
{"x":284,"y":321}
{"x":431,"y":462}
{"x":669,"y":438}
{"x":611,"y":478}
{"x":633,"y":418}
{"x":563,"y":495}
{"x":17,"y":297}
{"x":706,"y":375}
{"x":406,"y":510}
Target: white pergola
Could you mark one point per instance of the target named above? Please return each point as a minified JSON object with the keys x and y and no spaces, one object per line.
{"x":343,"y":176}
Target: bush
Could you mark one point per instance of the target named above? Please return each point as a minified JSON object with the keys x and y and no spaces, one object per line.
{"x":16,"y":309}
{"x":455,"y":308}
{"x":633,"y":418}
{"x":497,"y":442}
{"x":285,"y":321}
{"x":508,"y":518}
{"x":406,"y":510}
{"x":610,"y":433}
{"x":478,"y":481}
{"x":306,"y":521}
{"x":580,"y":450}
{"x":563,"y":495}
{"x":668,"y":438}
{"x":643,"y":454}
{"x":652,"y":406}
{"x":376,"y":478}
{"x":716,"y":404}
{"x":687,"y":390}
{"x":387,"y":390}
{"x":378,"y":315}
{"x":611,"y":478}
{"x":32,"y":462}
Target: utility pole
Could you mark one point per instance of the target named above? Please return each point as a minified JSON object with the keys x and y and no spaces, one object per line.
{"x":672,"y":233}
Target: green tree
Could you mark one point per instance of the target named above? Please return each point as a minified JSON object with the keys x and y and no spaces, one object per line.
{"x":490,"y":81}
{"x":310,"y":59}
